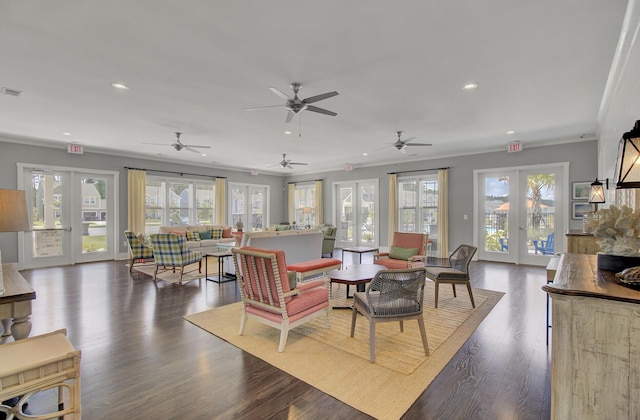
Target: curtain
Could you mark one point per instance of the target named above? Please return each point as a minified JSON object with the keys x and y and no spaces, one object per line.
{"x":291,"y":200}
{"x":443,"y":213}
{"x":221,"y":201}
{"x":137,"y":180}
{"x":319,"y":203}
{"x":393,"y":207}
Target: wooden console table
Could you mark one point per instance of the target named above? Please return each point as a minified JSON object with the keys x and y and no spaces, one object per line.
{"x":595,"y":356}
{"x":15,"y":304}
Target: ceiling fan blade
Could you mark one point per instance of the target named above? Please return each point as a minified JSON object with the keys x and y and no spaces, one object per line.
{"x":192,"y":150}
{"x":289,"y":166}
{"x":321,"y":110}
{"x":257,"y":108}
{"x":409,"y":139}
{"x":197,"y":147}
{"x":290,"y":115}
{"x":420,"y":144}
{"x":297,"y":163}
{"x":317,"y":98}
{"x":280,"y":93}
{"x":158,"y":144}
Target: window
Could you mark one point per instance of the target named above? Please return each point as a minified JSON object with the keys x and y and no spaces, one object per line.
{"x":418,"y":205}
{"x":305,"y":205}
{"x":171,"y":202}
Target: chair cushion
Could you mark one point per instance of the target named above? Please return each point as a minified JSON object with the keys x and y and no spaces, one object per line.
{"x":313,"y":265}
{"x":182,"y":233}
{"x":446,"y":273}
{"x":307,"y":299}
{"x":399,"y":253}
{"x":193,"y":236}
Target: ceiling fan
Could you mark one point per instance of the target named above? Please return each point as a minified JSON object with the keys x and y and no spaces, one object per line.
{"x":295,"y":104}
{"x":401,"y":145}
{"x":178,"y":145}
{"x":286,"y":163}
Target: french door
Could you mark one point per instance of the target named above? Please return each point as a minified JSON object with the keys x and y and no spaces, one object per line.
{"x":248,"y":205}
{"x":356,"y":213}
{"x":520,"y":213}
{"x":72,"y":215}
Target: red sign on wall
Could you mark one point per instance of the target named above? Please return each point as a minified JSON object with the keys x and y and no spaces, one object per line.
{"x":515,"y":147}
{"x":75,"y":148}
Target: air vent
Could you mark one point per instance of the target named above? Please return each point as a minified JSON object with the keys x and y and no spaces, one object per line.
{"x":12,"y":92}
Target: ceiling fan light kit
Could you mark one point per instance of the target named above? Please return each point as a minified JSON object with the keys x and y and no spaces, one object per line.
{"x":178,"y":145}
{"x":401,"y":145}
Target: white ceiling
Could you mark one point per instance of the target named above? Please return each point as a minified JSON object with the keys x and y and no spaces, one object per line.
{"x":195,"y":66}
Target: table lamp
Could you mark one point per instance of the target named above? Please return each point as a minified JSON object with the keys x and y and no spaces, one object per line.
{"x":13,"y":217}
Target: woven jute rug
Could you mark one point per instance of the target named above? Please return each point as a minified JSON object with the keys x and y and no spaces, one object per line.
{"x":326,"y":357}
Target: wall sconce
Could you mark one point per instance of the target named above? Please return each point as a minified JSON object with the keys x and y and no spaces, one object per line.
{"x":628,"y":164}
{"x":596,"y":194}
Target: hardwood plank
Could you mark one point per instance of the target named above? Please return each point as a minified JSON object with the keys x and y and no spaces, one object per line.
{"x":140,"y":356}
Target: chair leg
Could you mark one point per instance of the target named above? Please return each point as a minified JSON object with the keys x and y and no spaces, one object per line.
{"x":284,"y":332}
{"x":473,"y":303}
{"x":155,"y":274}
{"x":437,"y":286}
{"x":453,"y":286}
{"x":401,"y":326}
{"x":243,"y":321}
{"x":131,"y":264}
{"x":372,"y":340}
{"x":354,"y":316}
{"x":423,"y":333}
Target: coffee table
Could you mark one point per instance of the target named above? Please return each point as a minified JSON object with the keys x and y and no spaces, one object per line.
{"x":354,"y":275}
{"x":359,"y":250}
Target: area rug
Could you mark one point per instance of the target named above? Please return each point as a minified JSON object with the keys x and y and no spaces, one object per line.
{"x":171,"y":277}
{"x":330,"y":360}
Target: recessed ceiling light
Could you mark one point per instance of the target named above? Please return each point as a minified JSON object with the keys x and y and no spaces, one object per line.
{"x":510,"y":132}
{"x":470,"y":86}
{"x":203,"y":154}
{"x":365,"y":154}
{"x":287,"y":132}
{"x":121,"y":86}
{"x":66,"y":134}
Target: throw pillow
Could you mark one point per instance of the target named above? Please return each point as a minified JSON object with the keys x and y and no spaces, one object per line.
{"x":144,"y":239}
{"x":399,"y":253}
{"x":226,"y":232}
{"x":192,"y":235}
{"x":216,"y":233}
{"x":178,"y":232}
{"x":205,"y":234}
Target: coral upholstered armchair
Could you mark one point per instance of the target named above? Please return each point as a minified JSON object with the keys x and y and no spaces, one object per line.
{"x":267,"y":296}
{"x":407,"y":250}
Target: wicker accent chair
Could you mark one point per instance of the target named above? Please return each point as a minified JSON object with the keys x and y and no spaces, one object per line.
{"x":138,"y":251}
{"x":456,"y":273}
{"x":170,"y":251}
{"x":403,"y":241}
{"x":392,"y":295}
{"x":267,"y":296}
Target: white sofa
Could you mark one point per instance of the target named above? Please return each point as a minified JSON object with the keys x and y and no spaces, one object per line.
{"x":298,"y":245}
{"x":203,"y":245}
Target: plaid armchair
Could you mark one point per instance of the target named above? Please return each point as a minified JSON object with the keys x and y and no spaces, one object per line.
{"x":138,"y":251}
{"x":170,"y":250}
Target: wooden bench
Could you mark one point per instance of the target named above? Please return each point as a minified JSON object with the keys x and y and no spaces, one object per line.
{"x":313,"y":267}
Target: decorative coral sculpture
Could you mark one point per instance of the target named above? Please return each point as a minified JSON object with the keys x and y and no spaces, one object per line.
{"x":618,"y":231}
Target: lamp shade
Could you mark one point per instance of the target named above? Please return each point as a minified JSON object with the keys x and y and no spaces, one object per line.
{"x":306,"y":210}
{"x":628,"y":164}
{"x":596,"y":195}
{"x":13,"y":211}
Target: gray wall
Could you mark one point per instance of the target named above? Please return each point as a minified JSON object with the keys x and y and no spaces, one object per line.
{"x":13,"y":153}
{"x":582,"y":158}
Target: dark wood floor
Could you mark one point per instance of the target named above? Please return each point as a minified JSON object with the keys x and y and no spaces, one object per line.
{"x":141,"y":359}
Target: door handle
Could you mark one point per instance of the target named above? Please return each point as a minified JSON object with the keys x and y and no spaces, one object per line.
{"x":521,"y":228}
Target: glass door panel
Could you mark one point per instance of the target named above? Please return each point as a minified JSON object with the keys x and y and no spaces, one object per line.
{"x":357,"y":216}
{"x":495,"y":212}
{"x":345,"y":217}
{"x":94,"y":225}
{"x":367,"y":215}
